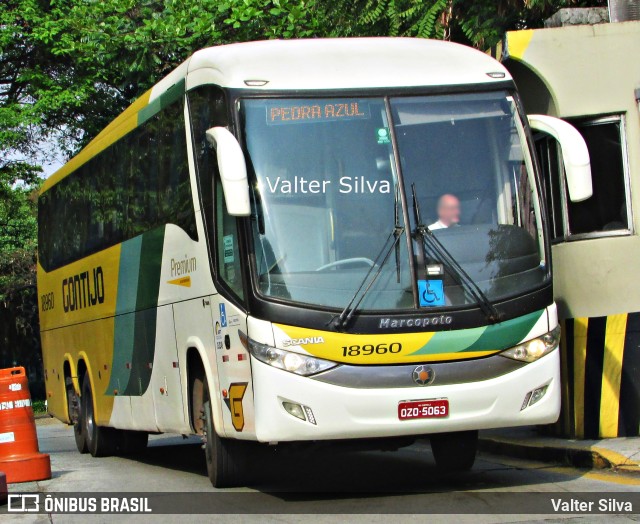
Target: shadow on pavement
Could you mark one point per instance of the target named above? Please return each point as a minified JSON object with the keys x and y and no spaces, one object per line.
{"x":326,"y":472}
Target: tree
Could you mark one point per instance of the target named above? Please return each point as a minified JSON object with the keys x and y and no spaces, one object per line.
{"x":68,"y":67}
{"x":19,"y":328}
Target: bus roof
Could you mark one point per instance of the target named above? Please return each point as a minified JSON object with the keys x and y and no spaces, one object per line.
{"x":343,"y":63}
{"x":314,"y":64}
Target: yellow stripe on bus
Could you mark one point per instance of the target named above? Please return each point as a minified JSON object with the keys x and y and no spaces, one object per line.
{"x":612,"y":374}
{"x":579,"y":358}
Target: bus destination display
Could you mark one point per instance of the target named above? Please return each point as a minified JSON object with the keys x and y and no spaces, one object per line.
{"x":292,"y":112}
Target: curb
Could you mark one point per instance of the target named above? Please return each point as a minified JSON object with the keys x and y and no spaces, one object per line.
{"x":566,"y":453}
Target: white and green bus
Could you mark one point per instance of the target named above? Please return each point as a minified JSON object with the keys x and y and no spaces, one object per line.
{"x":245,"y":254}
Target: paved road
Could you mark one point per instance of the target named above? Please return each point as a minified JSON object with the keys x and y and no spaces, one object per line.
{"x":320,"y":482}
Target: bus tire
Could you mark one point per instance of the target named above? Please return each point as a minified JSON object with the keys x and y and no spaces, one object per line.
{"x":221,"y":454}
{"x":101,"y":441}
{"x":132,"y":442}
{"x":74,"y":404}
{"x":455,"y":451}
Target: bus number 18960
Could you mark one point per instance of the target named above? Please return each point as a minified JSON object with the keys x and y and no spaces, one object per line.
{"x":370,"y":349}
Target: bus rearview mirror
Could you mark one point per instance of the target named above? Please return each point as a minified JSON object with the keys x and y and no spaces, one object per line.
{"x":575,"y":154}
{"x":233,"y":171}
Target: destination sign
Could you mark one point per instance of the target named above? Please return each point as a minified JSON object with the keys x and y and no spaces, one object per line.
{"x":295,"y":112}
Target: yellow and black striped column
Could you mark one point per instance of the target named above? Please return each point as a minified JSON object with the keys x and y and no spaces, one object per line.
{"x":601,"y":377}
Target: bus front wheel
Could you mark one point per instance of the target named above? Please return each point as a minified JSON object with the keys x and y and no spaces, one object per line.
{"x":221,"y":454}
{"x":455,"y":451}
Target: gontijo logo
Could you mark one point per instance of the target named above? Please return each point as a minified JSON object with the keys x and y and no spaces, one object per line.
{"x":83,"y":290}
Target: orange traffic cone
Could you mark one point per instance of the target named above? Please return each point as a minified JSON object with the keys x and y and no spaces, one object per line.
{"x":20,"y":457}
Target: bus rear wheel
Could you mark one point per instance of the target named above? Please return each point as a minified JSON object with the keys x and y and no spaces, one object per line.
{"x":222,"y":457}
{"x":74,"y":409}
{"x":455,"y":451}
{"x":100,"y":441}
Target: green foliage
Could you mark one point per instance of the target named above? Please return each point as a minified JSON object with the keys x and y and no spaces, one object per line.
{"x":18,"y":226}
{"x":19,"y":332}
{"x":67,"y":67}
{"x":407,"y":17}
{"x":39,"y":407}
{"x":252,"y":20}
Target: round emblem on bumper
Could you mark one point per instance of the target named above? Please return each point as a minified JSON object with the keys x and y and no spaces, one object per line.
{"x":423,"y":375}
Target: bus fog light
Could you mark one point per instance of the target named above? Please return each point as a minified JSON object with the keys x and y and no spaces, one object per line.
{"x":537,"y":395}
{"x":534,"y":396}
{"x":297,"y":363}
{"x":294,"y":409}
{"x":532,"y":350}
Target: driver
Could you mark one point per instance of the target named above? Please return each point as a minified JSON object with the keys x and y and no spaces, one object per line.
{"x":448,"y":212}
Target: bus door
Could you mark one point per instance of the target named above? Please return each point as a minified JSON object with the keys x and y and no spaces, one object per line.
{"x":194,"y":329}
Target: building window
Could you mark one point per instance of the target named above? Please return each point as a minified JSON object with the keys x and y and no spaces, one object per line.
{"x":608,"y":211}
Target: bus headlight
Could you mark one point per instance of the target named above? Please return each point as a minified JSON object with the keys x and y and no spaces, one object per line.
{"x":532,"y":350}
{"x":304,"y":365}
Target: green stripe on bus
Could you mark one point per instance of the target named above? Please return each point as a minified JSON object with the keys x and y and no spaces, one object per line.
{"x":136,"y":313}
{"x":128,"y":272}
{"x":171,"y":95}
{"x":144,"y":335}
{"x":486,"y":338}
{"x":124,"y":324}
{"x":450,"y":341}
{"x":150,"y":266}
{"x":122,"y":353}
{"x":506,"y":334}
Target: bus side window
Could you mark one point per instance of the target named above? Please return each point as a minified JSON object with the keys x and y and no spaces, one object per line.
{"x":608,"y":209}
{"x":228,"y":259}
{"x":207,"y":108}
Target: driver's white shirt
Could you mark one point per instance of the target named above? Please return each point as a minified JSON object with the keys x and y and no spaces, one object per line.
{"x":438,"y":225}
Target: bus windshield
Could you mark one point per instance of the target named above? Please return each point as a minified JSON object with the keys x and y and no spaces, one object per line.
{"x":335,"y":179}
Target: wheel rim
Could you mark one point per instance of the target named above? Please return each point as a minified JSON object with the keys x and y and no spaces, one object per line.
{"x":88,"y":414}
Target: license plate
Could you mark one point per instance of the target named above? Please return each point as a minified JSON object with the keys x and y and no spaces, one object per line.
{"x":412,"y":409}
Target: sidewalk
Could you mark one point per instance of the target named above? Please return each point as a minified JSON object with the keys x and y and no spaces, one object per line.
{"x":527,"y":442}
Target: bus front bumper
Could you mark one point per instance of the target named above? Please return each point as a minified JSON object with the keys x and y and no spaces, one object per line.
{"x":338,"y":412}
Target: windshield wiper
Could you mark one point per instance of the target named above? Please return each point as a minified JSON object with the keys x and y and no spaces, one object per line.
{"x":441,"y":253}
{"x":392,"y":241}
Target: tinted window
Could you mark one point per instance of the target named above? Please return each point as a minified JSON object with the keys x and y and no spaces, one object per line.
{"x":138,"y":183}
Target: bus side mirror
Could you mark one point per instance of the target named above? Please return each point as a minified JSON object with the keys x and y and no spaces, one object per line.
{"x":575,"y":154}
{"x":233,"y":171}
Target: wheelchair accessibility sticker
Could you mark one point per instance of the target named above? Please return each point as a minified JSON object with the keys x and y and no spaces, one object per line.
{"x":431,"y":293}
